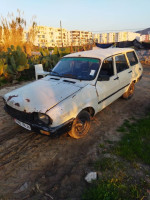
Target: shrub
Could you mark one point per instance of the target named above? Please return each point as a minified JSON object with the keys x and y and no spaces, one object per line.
{"x":12,"y":63}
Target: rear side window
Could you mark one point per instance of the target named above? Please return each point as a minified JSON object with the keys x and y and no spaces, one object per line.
{"x":121,"y":63}
{"x":132,"y":58}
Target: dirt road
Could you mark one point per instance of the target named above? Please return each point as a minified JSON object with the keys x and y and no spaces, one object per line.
{"x":34,"y":166}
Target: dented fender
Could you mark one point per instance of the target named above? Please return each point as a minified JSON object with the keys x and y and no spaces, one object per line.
{"x":73,"y":105}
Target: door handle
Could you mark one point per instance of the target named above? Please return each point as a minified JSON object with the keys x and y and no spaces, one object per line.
{"x":130,"y":72}
{"x":116,"y":78}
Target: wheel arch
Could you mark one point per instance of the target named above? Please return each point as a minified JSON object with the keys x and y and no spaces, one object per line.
{"x":90,"y":110}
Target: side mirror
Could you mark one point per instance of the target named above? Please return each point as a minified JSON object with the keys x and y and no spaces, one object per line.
{"x":103,"y":78}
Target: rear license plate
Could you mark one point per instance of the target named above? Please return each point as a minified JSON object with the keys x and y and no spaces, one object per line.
{"x":24,"y":125}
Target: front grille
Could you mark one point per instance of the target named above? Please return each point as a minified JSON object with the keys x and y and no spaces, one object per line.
{"x":22,"y":116}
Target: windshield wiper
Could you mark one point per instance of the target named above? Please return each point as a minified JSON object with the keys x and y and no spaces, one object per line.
{"x":54,"y":73}
{"x":69,"y":76}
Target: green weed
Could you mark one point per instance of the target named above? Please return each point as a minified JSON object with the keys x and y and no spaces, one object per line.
{"x":135,"y":144}
{"x":116,"y":183}
{"x":106,"y":164}
{"x":113,"y":189}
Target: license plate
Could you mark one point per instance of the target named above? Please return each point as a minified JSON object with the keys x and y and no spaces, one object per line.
{"x":24,"y":125}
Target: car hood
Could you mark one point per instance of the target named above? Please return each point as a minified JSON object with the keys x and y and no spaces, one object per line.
{"x":40,"y":95}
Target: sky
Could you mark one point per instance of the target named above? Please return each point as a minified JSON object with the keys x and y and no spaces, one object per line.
{"x":87,"y":15}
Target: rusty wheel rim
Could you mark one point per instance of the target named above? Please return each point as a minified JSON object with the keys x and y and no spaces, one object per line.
{"x":80,"y":126}
{"x":131,"y":90}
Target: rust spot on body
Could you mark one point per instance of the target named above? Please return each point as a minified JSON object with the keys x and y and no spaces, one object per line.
{"x":17,"y":104}
{"x":10,"y":97}
{"x":28,"y":100}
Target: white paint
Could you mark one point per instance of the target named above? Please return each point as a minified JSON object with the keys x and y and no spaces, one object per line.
{"x":99,"y":53}
{"x":91,"y":177}
{"x":63,"y":101}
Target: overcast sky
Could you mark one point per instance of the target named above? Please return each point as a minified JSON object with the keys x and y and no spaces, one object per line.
{"x":89,"y":15}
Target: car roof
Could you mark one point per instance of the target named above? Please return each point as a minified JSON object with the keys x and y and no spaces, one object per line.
{"x":99,"y":53}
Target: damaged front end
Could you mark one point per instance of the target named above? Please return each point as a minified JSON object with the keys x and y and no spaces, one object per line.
{"x":29,"y":121}
{"x":28,"y":105}
{"x":37,"y":122}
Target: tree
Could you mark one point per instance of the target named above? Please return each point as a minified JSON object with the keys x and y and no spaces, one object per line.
{"x":13,"y":30}
{"x":56,"y":51}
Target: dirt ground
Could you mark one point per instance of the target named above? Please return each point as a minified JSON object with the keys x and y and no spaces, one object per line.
{"x":34,"y":166}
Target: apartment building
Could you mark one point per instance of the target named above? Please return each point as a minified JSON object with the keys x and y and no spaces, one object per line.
{"x":117,"y":37}
{"x":131,"y":36}
{"x":121,"y":36}
{"x":127,"y":36}
{"x":103,"y":38}
{"x":145,"y":38}
{"x":111,"y":37}
{"x":96,"y":38}
{"x":51,"y":37}
{"x":62,"y":37}
{"x":79,"y":38}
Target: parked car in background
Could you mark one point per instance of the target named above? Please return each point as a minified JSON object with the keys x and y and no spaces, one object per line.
{"x":79,"y":86}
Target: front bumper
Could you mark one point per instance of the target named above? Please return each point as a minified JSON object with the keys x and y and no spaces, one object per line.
{"x":51,"y":130}
{"x":28,"y":118}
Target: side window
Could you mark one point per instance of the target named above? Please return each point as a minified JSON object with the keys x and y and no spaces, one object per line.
{"x":121,"y":63}
{"x":107,"y":67}
{"x":132,"y":58}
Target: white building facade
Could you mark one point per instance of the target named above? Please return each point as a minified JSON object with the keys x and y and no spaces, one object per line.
{"x":117,"y":37}
{"x":51,"y":37}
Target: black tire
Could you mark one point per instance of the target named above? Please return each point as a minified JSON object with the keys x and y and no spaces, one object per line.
{"x":129,"y":93}
{"x":81,"y":125}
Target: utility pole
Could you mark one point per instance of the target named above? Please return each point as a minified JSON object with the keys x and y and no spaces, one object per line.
{"x":61,"y":34}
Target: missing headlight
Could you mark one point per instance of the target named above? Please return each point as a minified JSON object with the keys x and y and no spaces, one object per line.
{"x":42,"y":118}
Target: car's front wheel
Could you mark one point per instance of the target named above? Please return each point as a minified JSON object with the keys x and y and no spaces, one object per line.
{"x":129,"y":93}
{"x":81,"y":125}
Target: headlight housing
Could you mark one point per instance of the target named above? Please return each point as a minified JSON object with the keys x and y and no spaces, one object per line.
{"x":42,"y":118}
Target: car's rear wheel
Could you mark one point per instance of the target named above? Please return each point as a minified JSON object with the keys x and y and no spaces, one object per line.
{"x":129,"y":93}
{"x":81,"y":125}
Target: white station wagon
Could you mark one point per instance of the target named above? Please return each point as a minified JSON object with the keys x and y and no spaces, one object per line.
{"x":79,"y":86}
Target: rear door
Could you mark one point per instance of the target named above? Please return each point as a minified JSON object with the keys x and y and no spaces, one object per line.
{"x":124,"y":72}
{"x":135,"y":65}
{"x":107,"y":90}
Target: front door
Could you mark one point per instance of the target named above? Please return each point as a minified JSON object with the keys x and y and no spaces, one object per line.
{"x":107,"y":89}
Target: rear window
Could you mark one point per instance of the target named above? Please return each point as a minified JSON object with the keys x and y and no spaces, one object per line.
{"x":132,"y":58}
